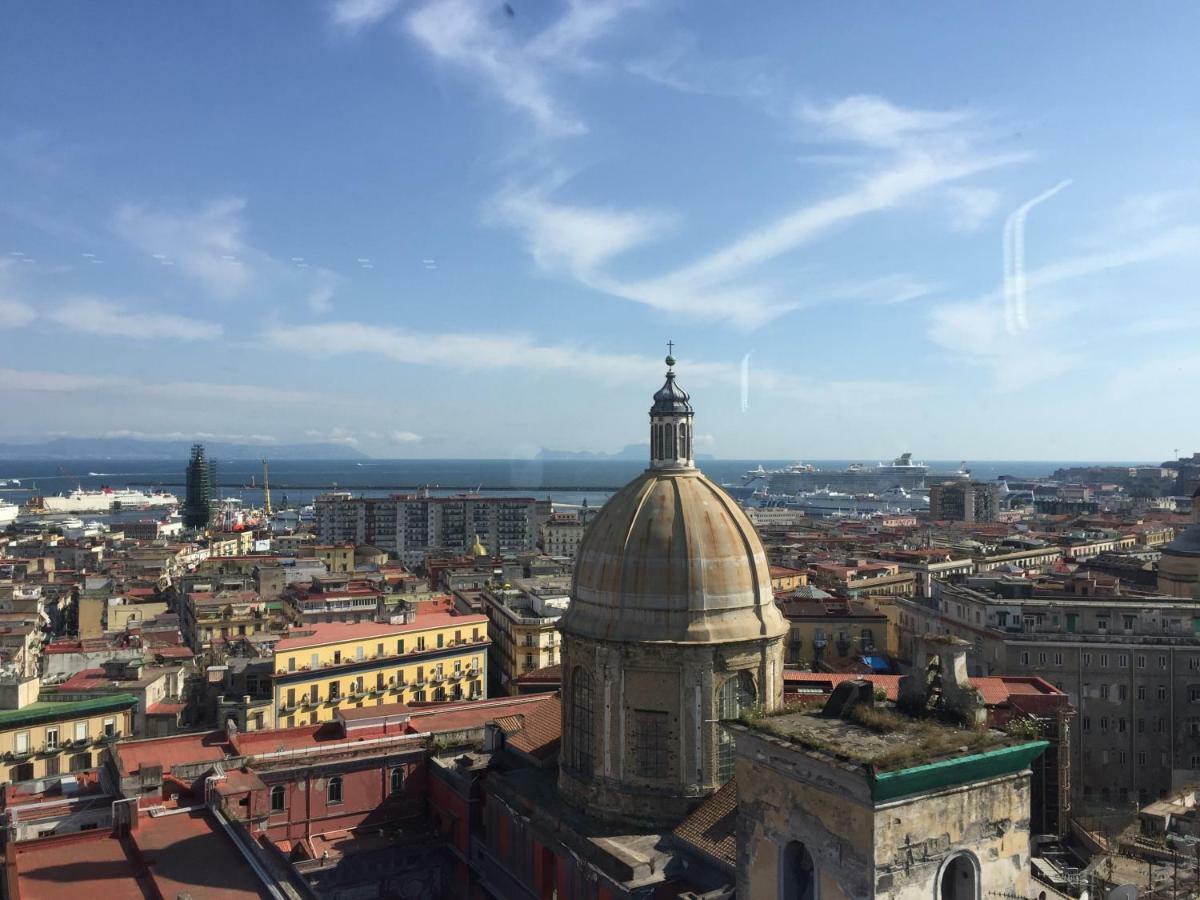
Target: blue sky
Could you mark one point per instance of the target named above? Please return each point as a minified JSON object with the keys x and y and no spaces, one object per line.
{"x":446,"y":228}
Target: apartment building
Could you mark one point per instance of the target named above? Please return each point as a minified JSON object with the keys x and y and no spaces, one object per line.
{"x":829,"y":632}
{"x":561,"y":534}
{"x":523,"y":625}
{"x":1130,"y":665}
{"x":964,"y":501}
{"x":43,"y":738}
{"x":861,"y":577}
{"x":322,"y":668}
{"x":410,"y":526}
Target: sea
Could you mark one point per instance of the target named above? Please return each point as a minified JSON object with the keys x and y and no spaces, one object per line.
{"x":294,"y":483}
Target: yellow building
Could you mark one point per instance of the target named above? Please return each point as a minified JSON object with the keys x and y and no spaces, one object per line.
{"x":338,"y":558}
{"x":56,"y":737}
{"x":523,"y":626}
{"x":346,"y":665}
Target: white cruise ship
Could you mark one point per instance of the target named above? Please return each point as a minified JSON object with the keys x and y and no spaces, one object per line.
{"x":104,"y":500}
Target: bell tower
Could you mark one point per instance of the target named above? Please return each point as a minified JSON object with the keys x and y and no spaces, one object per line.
{"x":671,"y":423}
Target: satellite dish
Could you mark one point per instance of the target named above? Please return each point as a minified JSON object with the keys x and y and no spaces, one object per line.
{"x":1123,"y":892}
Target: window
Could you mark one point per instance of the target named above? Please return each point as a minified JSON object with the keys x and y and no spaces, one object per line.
{"x":291,"y":664}
{"x":799,"y":873}
{"x":110,"y":727}
{"x":1087,"y":659}
{"x":397,"y":779}
{"x":400,"y":647}
{"x":1041,"y":659}
{"x":737,"y":694}
{"x":81,"y":731}
{"x":1141,"y":726}
{"x":277,"y":795}
{"x":335,"y":688}
{"x":52,"y":766}
{"x":1162,"y":662}
{"x":1123,"y":660}
{"x":1102,"y":623}
{"x":81,"y":761}
{"x":581,"y":721}
{"x":650,"y":741}
{"x":51,"y":738}
{"x":1122,"y":692}
{"x":1129,"y":622}
{"x":1162,"y":692}
{"x":335,"y":789}
{"x":441,"y":639}
{"x":1194,"y":694}
{"x":1141,"y":661}
{"x":1104,"y":723}
{"x":960,"y":879}
{"x":1087,"y":724}
{"x":21,"y":744}
{"x":1024,"y":658}
{"x":1104,"y":660}
{"x":1058,"y":659}
{"x":1104,"y":692}
{"x":1141,"y":692}
{"x":421,"y":643}
{"x":1141,"y":757}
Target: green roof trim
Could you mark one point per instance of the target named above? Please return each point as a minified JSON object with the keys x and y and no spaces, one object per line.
{"x":58,"y":710}
{"x":950,"y":772}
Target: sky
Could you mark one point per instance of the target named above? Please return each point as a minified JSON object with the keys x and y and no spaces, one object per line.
{"x":442,"y":228}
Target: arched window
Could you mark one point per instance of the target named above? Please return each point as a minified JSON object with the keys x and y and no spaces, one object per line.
{"x":959,"y":879}
{"x":670,"y":450}
{"x":397,"y":780}
{"x":737,"y":695}
{"x":581,"y":721}
{"x":799,"y":873}
{"x":277,"y":794}
{"x":335,"y":789}
{"x":683,"y":442}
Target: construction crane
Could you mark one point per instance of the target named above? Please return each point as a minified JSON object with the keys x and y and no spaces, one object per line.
{"x":266,"y":491}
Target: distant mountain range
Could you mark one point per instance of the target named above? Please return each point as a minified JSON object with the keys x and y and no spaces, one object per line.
{"x":629,"y":451}
{"x":131,"y":448}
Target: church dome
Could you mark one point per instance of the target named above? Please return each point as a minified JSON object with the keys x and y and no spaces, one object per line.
{"x":671,"y":557}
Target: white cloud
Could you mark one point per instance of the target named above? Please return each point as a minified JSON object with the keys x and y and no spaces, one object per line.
{"x":209,"y":245}
{"x":43,"y":381}
{"x":201,"y":243}
{"x":574,"y":240}
{"x":15,"y":314}
{"x":335,"y":435}
{"x":187,"y":436}
{"x":355,"y":14}
{"x":975,"y":330}
{"x":405,"y":437}
{"x":481,"y":39}
{"x":971,"y":207}
{"x":93,"y":316}
{"x":874,"y":121}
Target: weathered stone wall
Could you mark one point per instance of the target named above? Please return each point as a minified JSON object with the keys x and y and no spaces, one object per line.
{"x":916,"y":838}
{"x":785,"y":796}
{"x":896,"y":850}
{"x":682,"y":681}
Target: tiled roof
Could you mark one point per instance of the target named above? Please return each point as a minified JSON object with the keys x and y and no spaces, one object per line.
{"x":542,"y":731}
{"x":712,"y":827}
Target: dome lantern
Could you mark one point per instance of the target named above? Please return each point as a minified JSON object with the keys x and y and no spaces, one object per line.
{"x":671,"y":423}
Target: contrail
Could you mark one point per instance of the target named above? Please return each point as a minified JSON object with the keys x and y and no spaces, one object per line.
{"x":745,"y":382}
{"x":1015,"y":317}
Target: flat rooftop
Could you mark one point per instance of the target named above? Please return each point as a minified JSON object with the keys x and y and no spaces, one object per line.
{"x":186,"y":854}
{"x":338,"y":632}
{"x":881,"y":739}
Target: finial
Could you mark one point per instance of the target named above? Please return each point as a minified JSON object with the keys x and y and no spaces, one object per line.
{"x":670,"y":359}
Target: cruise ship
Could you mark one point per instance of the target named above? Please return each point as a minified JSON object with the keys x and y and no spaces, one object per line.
{"x":824,"y":502}
{"x":798,"y":478}
{"x":104,"y":500}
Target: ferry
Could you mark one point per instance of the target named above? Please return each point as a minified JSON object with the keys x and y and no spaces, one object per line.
{"x":106,"y":499}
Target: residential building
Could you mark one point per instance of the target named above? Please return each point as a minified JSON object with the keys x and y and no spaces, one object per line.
{"x":829,"y":634}
{"x":210,"y":621}
{"x":1129,"y":664}
{"x":409,"y":527}
{"x":523,"y":625}
{"x":41,"y":738}
{"x":862,"y":577}
{"x":322,"y":668}
{"x":561,"y":534}
{"x":964,"y":501}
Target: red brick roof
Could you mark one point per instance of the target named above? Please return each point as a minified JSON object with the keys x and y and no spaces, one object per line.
{"x":711,"y":827}
{"x":541,"y":730}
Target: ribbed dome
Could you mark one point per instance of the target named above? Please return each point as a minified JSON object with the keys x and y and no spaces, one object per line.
{"x":670,"y":399}
{"x":671,"y":557}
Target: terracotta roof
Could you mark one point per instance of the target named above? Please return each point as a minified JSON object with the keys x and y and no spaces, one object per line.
{"x":334,"y":632}
{"x":542,"y":731}
{"x":711,"y":828}
{"x":544,"y":674}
